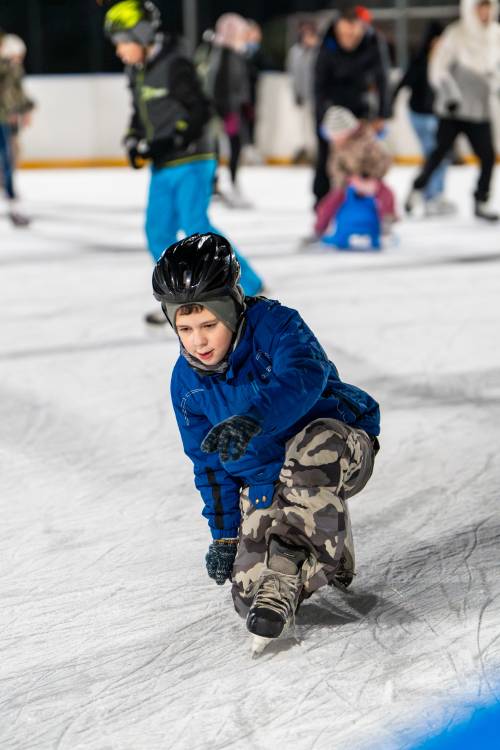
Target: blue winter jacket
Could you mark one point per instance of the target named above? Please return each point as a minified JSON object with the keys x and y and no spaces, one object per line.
{"x":279,"y":375}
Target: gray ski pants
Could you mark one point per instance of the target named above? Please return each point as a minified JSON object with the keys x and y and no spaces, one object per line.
{"x":325,"y":464}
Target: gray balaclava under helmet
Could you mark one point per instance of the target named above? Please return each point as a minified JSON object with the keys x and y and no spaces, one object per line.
{"x":225,"y":309}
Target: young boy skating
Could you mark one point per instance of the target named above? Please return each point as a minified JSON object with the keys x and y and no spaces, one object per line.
{"x":278,"y":441}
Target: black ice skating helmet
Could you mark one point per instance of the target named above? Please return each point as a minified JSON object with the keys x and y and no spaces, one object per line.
{"x":132,"y":21}
{"x":197,"y":269}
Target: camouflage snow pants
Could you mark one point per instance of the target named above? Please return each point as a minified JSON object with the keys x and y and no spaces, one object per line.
{"x":325,"y":464}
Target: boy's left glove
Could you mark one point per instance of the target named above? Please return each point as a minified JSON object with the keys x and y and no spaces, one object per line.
{"x":220,"y":558}
{"x":231,"y":437}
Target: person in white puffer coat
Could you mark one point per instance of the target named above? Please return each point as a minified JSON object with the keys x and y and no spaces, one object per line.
{"x":465,"y":73}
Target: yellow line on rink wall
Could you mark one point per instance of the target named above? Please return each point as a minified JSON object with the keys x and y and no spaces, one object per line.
{"x":71,"y":163}
{"x":272,"y":161}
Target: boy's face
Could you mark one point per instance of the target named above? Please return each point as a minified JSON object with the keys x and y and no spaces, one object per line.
{"x":130,"y":53}
{"x":204,"y":336}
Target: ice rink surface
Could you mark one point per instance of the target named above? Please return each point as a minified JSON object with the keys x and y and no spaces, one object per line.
{"x":113,"y":637}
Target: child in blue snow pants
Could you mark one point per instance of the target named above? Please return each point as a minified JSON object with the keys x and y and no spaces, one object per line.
{"x":178,"y":199}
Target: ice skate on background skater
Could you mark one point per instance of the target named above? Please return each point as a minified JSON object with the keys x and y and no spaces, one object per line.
{"x":278,"y":441}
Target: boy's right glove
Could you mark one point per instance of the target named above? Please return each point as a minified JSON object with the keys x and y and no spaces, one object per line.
{"x":231,"y":437}
{"x":220,"y":558}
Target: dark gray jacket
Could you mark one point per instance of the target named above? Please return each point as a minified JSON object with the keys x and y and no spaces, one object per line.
{"x":170,"y":110}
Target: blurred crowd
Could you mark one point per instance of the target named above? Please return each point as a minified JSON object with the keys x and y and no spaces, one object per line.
{"x":340,"y":81}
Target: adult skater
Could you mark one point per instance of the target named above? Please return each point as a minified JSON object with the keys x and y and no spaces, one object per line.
{"x":300,"y":64}
{"x":228,"y":83}
{"x":278,"y":441}
{"x":424,"y":121}
{"x":169,"y":127}
{"x":464,"y":73}
{"x":351,"y":72}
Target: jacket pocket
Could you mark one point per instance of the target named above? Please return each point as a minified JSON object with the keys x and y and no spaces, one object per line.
{"x":261,"y":495}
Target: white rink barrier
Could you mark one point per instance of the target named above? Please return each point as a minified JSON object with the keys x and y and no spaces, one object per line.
{"x":80,"y":119}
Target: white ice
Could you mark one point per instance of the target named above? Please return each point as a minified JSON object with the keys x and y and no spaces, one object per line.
{"x":112,"y":636}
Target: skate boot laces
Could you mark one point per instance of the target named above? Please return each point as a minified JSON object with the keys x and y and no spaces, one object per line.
{"x":279,"y":593}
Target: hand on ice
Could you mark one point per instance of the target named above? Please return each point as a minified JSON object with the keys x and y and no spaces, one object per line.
{"x":231,"y":437}
{"x":220,"y":558}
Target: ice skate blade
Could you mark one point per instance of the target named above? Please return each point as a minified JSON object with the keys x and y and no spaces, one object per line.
{"x":259,"y":643}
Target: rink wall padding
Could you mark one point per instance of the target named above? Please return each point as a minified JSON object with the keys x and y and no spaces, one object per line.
{"x":80,"y":121}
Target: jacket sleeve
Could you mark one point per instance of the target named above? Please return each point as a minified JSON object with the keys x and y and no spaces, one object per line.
{"x":406,"y":81}
{"x":322,"y":83}
{"x":135,"y":127}
{"x":300,"y":370}
{"x":382,"y":78}
{"x":220,"y":491}
{"x":442,"y":58}
{"x":185,"y":87}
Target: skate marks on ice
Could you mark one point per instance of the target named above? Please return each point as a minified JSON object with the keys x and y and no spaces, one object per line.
{"x":327,"y":612}
{"x":92,"y":347}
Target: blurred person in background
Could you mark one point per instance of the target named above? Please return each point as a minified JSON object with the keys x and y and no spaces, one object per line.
{"x":464,"y":71}
{"x":15,"y":112}
{"x":361,"y":206}
{"x":352,"y":72}
{"x":169,"y":127}
{"x":300,"y":64}
{"x":424,"y":121}
{"x":229,"y":87}
{"x":13,"y":49}
{"x":258,"y":62}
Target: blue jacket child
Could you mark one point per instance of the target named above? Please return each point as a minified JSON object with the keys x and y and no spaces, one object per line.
{"x":250,"y":378}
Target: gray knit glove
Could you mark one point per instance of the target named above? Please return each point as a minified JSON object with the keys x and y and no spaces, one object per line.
{"x":220,"y":558}
{"x":231,"y":437}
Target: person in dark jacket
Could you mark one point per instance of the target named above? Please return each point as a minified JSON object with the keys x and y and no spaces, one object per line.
{"x":351,"y":72}
{"x":423,"y":120}
{"x":170,"y":126}
{"x":229,"y":85}
{"x":277,"y":439}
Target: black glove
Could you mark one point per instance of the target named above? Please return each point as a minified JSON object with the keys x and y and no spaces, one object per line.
{"x":452,"y":107}
{"x":220,"y":558}
{"x":137,"y":152}
{"x":231,"y":437}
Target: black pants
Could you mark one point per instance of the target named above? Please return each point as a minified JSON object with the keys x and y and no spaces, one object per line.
{"x":234,"y":155}
{"x":321,"y":184}
{"x":480,"y":137}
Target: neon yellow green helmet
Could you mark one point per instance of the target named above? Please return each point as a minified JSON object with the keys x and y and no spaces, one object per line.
{"x":132,"y":21}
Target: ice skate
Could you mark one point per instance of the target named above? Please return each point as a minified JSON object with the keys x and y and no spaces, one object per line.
{"x":235,"y":199}
{"x":483,"y":210}
{"x":156,"y":318}
{"x":17,"y":216}
{"x":415,"y":204}
{"x":259,"y":644}
{"x":439,"y":206}
{"x":278,"y":590}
